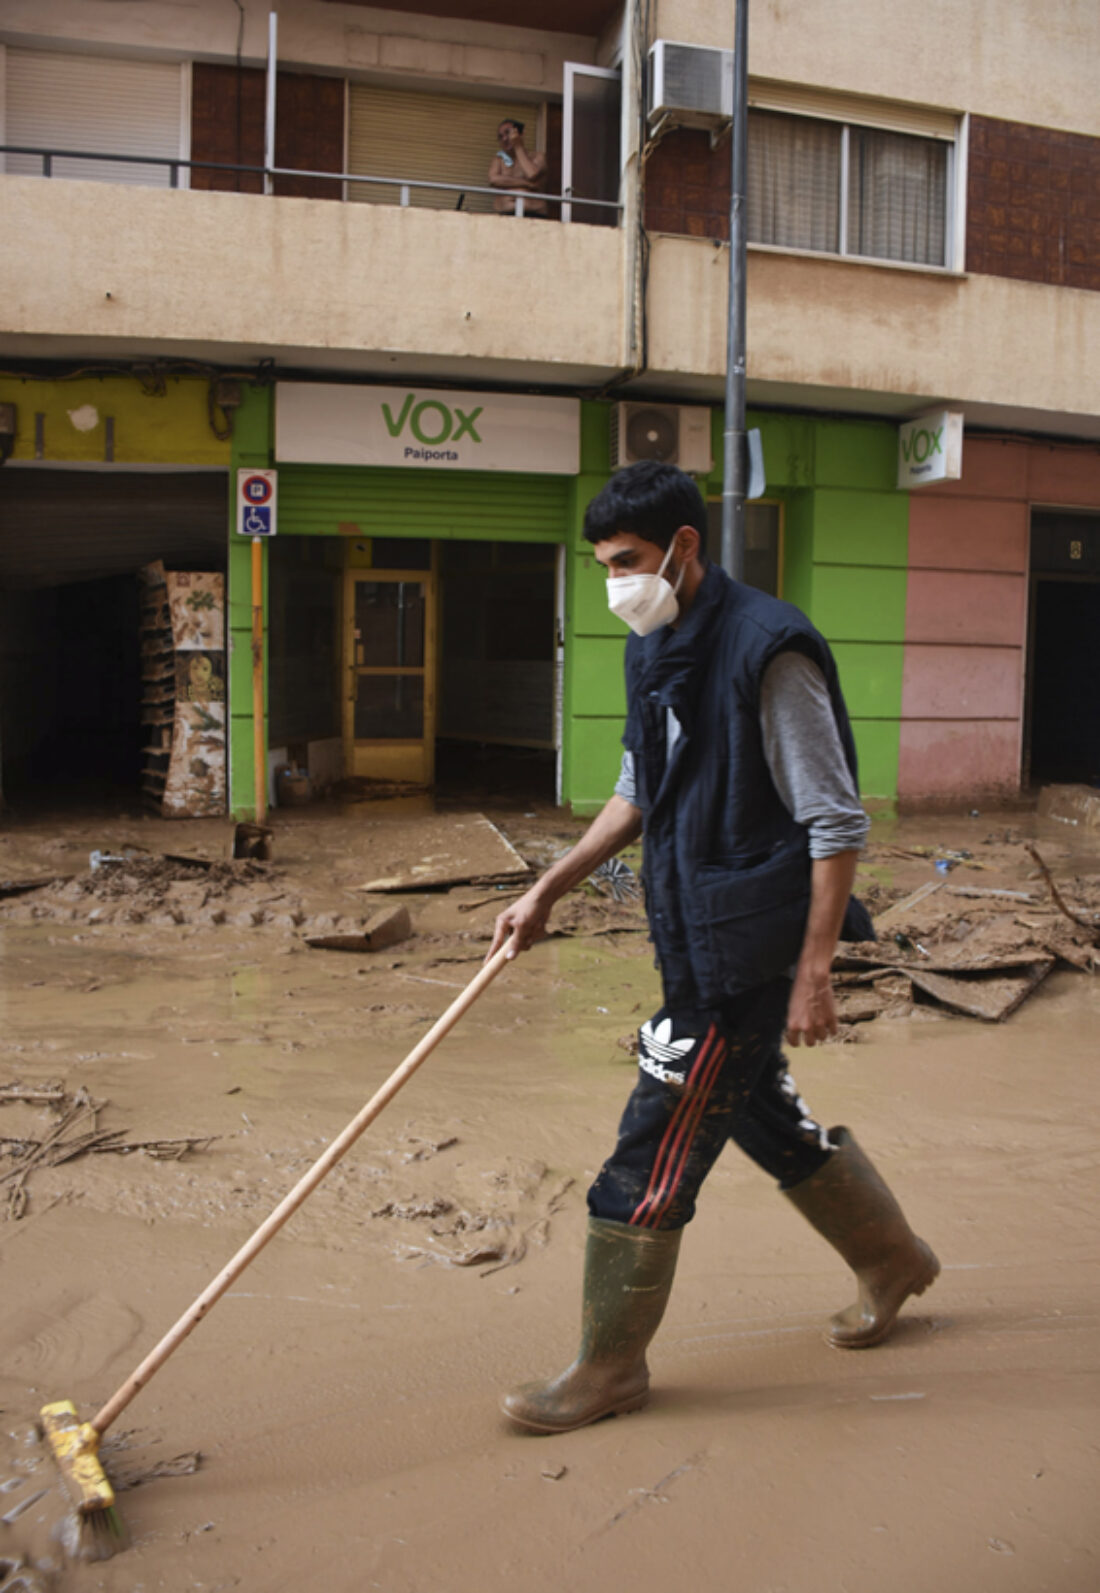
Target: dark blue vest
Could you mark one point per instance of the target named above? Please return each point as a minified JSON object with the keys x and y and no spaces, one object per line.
{"x":726,"y":868}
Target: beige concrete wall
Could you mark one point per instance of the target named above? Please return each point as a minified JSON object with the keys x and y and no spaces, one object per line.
{"x":119,"y":267}
{"x":1023,"y":60}
{"x":358,"y":40}
{"x":855,"y":328}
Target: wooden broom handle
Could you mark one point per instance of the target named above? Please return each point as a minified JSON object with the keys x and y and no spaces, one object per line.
{"x":290,"y":1203}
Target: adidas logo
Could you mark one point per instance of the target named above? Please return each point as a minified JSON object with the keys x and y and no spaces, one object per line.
{"x":657,"y":1048}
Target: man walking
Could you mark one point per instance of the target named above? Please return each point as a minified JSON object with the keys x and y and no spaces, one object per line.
{"x":740,"y":769}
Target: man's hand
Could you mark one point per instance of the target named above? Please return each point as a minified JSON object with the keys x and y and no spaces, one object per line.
{"x":811,"y":1016}
{"x":525,"y":922}
{"x":618,"y":823}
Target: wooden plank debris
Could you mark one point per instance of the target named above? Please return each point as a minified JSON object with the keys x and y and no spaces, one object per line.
{"x":990,"y":999}
{"x":439,"y":851}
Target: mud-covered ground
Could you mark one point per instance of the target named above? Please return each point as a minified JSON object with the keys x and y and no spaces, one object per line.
{"x":333,"y":1424}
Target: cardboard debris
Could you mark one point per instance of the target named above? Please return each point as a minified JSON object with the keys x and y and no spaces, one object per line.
{"x":439,"y":851}
{"x":981,"y":997}
{"x":975,"y":950}
{"x":386,"y":928}
{"x":1071,"y":804}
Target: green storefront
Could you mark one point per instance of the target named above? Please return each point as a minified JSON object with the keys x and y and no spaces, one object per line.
{"x":408,"y":604}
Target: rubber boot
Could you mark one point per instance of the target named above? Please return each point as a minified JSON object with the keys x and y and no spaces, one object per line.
{"x":628,"y":1276}
{"x":850,"y":1206}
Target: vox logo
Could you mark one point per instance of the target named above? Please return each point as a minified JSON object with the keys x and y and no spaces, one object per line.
{"x":921,"y":445}
{"x":432,"y":422}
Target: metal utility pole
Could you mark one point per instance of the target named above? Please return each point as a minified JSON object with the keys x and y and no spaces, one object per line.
{"x":735,"y":449}
{"x":269,"y":101}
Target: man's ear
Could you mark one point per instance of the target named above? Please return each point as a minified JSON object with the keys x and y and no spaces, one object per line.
{"x":688,"y":542}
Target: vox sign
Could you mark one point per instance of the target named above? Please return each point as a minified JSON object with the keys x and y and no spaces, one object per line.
{"x":930,"y":448}
{"x":318,"y":423}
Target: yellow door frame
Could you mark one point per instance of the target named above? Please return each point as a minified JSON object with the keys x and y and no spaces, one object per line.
{"x":391,"y":758}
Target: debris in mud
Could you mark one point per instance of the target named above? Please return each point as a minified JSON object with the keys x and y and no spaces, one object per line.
{"x":76,"y":1133}
{"x":426,"y":1208}
{"x":428,"y":1147}
{"x":617,"y":879}
{"x":976,"y":950}
{"x":124,"y":1477}
{"x":387,"y":928}
{"x":434,"y":855}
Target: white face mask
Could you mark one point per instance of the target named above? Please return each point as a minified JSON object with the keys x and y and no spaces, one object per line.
{"x":645,"y":602}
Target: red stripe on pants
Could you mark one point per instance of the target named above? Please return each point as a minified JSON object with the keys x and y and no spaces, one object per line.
{"x":675,"y":1147}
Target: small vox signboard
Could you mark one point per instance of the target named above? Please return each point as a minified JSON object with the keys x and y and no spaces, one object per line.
{"x":930,"y":448}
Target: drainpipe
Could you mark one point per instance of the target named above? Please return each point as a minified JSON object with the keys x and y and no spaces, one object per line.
{"x":735,"y":448}
{"x":269,"y":115}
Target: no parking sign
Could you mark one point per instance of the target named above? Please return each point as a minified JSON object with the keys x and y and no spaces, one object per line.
{"x":257,"y":491}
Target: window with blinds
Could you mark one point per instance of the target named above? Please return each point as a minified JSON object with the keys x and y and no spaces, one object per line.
{"x":430,"y":138}
{"x":845,"y":189}
{"x":95,"y":103}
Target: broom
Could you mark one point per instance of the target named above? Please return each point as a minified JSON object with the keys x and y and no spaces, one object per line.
{"x":75,"y":1444}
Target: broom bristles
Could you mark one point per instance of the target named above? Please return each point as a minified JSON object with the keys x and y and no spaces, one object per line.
{"x":75,"y":1447}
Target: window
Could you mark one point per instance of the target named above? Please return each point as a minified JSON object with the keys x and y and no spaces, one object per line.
{"x":99,"y":104}
{"x":763,"y":543}
{"x":842,"y":187}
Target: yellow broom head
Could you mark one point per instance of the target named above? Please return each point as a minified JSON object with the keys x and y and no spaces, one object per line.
{"x":75,"y":1446}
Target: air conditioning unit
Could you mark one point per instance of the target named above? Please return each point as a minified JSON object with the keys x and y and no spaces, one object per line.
{"x":676,"y":434}
{"x":690,"y":83}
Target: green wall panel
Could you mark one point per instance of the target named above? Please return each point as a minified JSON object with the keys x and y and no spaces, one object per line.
{"x":597,"y":754}
{"x":870,"y":677}
{"x":251,"y":446}
{"x":798,"y":550}
{"x":598,"y":682}
{"x":859,"y":605}
{"x":877,"y":744}
{"x":856,"y":454}
{"x":588,"y":613}
{"x":870,"y":528}
{"x":596,"y":439}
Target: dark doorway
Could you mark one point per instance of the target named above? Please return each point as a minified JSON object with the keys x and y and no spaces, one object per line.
{"x":497,"y":673}
{"x":1063,"y":744}
{"x":71,"y":545}
{"x":70,"y":680}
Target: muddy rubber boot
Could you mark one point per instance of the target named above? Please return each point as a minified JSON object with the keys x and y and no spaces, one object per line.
{"x":627,"y":1280}
{"x":850,"y":1206}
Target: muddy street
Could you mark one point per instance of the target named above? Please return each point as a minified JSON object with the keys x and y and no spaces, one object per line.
{"x":334,"y":1423}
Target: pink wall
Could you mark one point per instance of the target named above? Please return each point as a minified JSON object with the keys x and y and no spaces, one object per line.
{"x":966,"y":614}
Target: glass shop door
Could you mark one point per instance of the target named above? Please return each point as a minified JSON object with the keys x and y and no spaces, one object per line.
{"x":389,"y":656}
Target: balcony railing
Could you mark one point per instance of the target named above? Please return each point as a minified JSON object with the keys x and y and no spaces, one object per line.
{"x":405,"y":185}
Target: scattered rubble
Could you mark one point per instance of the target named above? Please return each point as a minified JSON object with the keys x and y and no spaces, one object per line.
{"x":976,"y":950}
{"x":76,"y":1133}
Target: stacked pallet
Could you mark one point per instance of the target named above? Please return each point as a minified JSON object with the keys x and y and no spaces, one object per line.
{"x":183,"y":705}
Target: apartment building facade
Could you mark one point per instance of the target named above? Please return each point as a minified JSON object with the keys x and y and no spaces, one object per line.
{"x":298,"y":269}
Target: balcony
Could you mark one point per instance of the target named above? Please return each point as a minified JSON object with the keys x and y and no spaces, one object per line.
{"x":122,"y":271}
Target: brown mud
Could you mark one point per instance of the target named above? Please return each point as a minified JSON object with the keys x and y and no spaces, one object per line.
{"x":341,"y":1399}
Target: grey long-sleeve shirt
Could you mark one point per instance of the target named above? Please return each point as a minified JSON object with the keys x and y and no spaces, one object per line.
{"x":803,"y":753}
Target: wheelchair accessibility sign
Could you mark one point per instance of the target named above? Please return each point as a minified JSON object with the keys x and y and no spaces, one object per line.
{"x":256,"y":495}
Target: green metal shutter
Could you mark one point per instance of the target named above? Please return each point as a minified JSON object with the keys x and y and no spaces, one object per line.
{"x":319,"y":500}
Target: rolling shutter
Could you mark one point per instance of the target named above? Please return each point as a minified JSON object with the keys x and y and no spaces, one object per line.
{"x":92,"y":102}
{"x":433,"y":137}
{"x":319,"y":499}
{"x":797,"y":99}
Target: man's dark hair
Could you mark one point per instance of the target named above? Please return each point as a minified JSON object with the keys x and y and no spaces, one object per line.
{"x":650,"y":499}
{"x":510,"y":121}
